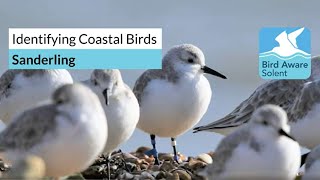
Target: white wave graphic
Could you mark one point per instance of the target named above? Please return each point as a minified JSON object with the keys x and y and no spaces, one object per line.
{"x":284,"y":58}
{"x":271,"y":52}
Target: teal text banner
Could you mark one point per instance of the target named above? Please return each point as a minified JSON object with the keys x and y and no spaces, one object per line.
{"x":85,"y":59}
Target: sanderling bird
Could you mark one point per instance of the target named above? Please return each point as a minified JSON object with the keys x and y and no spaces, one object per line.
{"x":278,"y":92}
{"x":304,"y":115}
{"x":67,"y":134}
{"x":24,"y":89}
{"x":172,"y":100}
{"x":262,"y":148}
{"x":119,"y":103}
{"x":312,"y":168}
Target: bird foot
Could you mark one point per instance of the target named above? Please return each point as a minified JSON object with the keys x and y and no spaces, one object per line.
{"x":177,"y":159}
{"x":154,"y":153}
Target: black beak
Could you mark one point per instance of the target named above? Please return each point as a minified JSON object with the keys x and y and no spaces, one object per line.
{"x":208,"y":70}
{"x":106,"y":97}
{"x":283,"y":133}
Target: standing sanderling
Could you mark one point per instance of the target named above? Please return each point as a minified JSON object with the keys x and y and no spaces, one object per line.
{"x":278,"y":92}
{"x":260,"y":149}
{"x":119,"y":103}
{"x":174,"y":99}
{"x":23,"y":89}
{"x":67,"y":135}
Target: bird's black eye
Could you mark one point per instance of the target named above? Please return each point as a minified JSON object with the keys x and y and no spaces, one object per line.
{"x":95,"y":82}
{"x":59,"y":101}
{"x":190,"y":60}
{"x":265,"y":123}
{"x":116,"y":83}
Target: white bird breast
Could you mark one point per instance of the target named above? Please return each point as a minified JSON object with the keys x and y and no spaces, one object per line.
{"x":169,"y":110}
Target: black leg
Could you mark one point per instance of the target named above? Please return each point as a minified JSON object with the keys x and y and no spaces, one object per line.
{"x":174,"y":144}
{"x":155,"y":153}
{"x":154,"y":150}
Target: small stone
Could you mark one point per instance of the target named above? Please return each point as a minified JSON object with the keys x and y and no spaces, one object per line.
{"x":114,"y":167}
{"x":137,"y":177}
{"x":116,"y":152}
{"x":100,"y":160}
{"x":161,"y":175}
{"x":155,"y":173}
{"x":183,"y":175}
{"x":144,"y":166}
{"x":141,"y":156}
{"x":128,"y":156}
{"x":205,"y":158}
{"x":4,"y":166}
{"x":143,"y":149}
{"x":167,"y":166}
{"x":184,"y":165}
{"x":115,"y":155}
{"x":198,"y":177}
{"x":194,"y":164}
{"x":128,"y":176}
{"x":172,"y":176}
{"x":150,"y":160}
{"x":125,"y":175}
{"x":165,"y":157}
{"x":190,"y":159}
{"x":133,"y":160}
{"x":182,"y":157}
{"x":131,"y":166}
{"x":146,"y":175}
{"x":97,"y":168}
{"x":154,"y":168}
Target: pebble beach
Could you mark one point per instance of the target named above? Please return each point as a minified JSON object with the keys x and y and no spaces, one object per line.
{"x":136,"y":165}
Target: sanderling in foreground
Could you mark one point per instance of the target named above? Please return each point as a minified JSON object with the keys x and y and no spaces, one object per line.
{"x":312,"y":168}
{"x":24,"y":89}
{"x":260,"y":149}
{"x":285,"y":93}
{"x":119,"y":103}
{"x":172,"y":100}
{"x":67,"y":135}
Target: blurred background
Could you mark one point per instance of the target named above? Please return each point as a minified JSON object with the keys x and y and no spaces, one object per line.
{"x":226,"y":31}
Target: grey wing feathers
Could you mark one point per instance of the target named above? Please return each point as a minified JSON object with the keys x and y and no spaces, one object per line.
{"x":225,"y":150}
{"x":143,"y":81}
{"x":278,"y":92}
{"x":28,"y":128}
{"x":309,"y":95}
{"x":242,"y":113}
{"x":6,"y":80}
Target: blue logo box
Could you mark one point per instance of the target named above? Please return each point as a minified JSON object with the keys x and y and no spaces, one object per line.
{"x":284,"y":53}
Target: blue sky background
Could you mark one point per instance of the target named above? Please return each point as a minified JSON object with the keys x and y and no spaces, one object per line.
{"x":267,"y":38}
